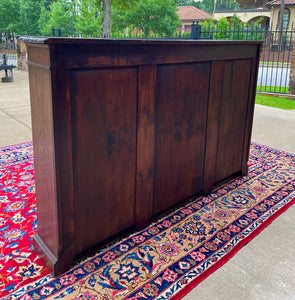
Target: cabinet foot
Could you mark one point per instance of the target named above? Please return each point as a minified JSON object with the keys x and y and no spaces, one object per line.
{"x":245,"y":169}
{"x":53,"y":264}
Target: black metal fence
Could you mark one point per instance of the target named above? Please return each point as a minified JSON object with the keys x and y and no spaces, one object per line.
{"x":8,"y":47}
{"x":275,"y":61}
{"x":227,"y":31}
{"x":275,"y":58}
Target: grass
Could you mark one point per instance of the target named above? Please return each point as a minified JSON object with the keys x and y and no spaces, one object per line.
{"x":275,"y":101}
{"x":266,"y":63}
{"x":273,"y":89}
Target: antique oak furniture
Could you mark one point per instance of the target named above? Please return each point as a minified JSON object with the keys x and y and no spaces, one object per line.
{"x":124,"y":129}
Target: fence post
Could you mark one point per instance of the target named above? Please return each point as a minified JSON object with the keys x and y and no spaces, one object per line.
{"x":59,"y":31}
{"x":292,"y":73}
{"x":52,"y":31}
{"x":196,"y":31}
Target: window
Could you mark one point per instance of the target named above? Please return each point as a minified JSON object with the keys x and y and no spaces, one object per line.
{"x":285,"y":19}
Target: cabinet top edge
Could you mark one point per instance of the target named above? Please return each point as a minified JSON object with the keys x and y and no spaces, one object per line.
{"x":80,"y":41}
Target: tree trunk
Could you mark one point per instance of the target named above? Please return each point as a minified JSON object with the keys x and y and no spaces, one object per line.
{"x":107,"y":10}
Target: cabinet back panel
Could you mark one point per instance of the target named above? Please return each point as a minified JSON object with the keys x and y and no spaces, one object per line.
{"x":233,"y":111}
{"x":104,"y":148}
{"x":181,"y":110}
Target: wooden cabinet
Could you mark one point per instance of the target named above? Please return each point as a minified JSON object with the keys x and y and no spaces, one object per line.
{"x":124,"y":129}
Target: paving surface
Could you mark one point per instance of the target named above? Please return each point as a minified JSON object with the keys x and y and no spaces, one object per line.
{"x":15,"y":113}
{"x":265,"y":267}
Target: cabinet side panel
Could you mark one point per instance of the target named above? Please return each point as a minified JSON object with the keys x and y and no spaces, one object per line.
{"x":62,"y":112}
{"x":38,"y":54}
{"x":250,"y":113}
{"x":104,"y":143}
{"x":181,"y":111}
{"x":233,"y":116}
{"x":44,"y":156}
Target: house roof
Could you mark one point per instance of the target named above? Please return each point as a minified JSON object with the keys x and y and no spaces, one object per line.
{"x":191,"y":13}
{"x":278,"y":2}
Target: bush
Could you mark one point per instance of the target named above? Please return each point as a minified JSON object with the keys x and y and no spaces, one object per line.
{"x":233,"y":29}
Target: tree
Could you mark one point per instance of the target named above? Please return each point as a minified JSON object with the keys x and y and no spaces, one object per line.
{"x":89,"y":18}
{"x":208,"y":6}
{"x":107,"y":12}
{"x":189,"y":3}
{"x":119,"y":15}
{"x":184,"y":2}
{"x":154,"y":16}
{"x":30,"y":11}
{"x":9,"y":16}
{"x":61,"y":13}
{"x":119,"y":21}
{"x":43,"y":21}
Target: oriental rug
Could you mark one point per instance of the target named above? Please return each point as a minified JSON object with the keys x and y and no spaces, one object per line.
{"x":165,"y":260}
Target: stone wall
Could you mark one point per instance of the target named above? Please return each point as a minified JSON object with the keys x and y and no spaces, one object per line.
{"x":21,"y":55}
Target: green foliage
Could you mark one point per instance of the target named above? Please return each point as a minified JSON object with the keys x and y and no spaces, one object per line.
{"x":233,"y":29}
{"x":154,"y":16}
{"x":119,"y":21}
{"x":150,"y":17}
{"x":189,"y":3}
{"x":222,"y":29}
{"x":184,"y":2}
{"x":62,"y":13}
{"x":9,"y":16}
{"x":207,"y":5}
{"x":226,"y":5}
{"x":43,"y":21}
{"x":208,"y":24}
{"x":237,"y":26}
{"x":123,"y":4}
{"x":19,"y":16}
{"x":89,"y":19}
{"x":29,"y":17}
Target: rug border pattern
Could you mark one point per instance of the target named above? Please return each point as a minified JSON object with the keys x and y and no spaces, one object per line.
{"x":258,"y":225}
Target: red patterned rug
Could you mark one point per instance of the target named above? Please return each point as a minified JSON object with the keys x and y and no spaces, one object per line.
{"x":165,"y":260}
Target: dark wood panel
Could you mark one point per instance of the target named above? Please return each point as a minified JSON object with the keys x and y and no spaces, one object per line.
{"x":44,"y":160}
{"x":212,"y":127}
{"x":39,"y":54}
{"x":62,"y":126}
{"x":147,"y":80}
{"x":181,"y":111}
{"x":118,"y":53}
{"x":232,"y":118}
{"x":250,"y":114}
{"x":104,"y":122}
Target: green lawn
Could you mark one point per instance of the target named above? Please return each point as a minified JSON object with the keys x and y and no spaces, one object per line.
{"x":273,"y":89}
{"x":274,"y":64}
{"x":275,"y":101}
